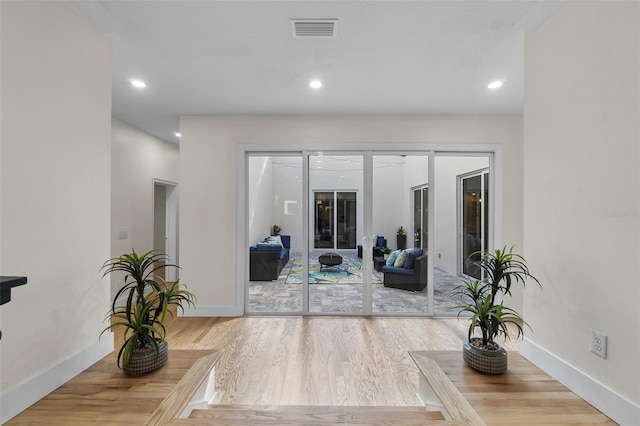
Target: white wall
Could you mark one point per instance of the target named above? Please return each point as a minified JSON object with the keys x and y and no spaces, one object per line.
{"x":287,"y":178}
{"x":208,"y":178}
{"x":261,"y":202}
{"x":137,"y":159}
{"x":389,"y":193}
{"x":582,"y":200}
{"x":55,"y":197}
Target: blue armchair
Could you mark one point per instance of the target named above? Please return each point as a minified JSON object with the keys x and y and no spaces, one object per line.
{"x":381,"y":242}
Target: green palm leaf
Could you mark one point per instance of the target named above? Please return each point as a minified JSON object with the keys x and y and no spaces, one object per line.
{"x":147,"y":300}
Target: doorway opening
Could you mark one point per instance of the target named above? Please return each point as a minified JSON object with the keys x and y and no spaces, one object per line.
{"x":165,"y":224}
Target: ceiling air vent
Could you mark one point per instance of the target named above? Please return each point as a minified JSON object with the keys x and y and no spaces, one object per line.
{"x":314,"y":28}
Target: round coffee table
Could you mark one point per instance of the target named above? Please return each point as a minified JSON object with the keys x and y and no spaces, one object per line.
{"x":329,"y":259}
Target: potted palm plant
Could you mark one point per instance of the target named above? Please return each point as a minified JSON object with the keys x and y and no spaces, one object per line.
{"x":482,"y":299}
{"x":386,"y":251}
{"x":147,"y":299}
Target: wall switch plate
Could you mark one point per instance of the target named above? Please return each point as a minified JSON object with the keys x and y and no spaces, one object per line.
{"x":123,"y":235}
{"x":599,"y":344}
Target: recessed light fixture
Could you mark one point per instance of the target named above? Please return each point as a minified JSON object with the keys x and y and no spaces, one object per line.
{"x":495,"y":84}
{"x":315,"y":84}
{"x":178,"y":134}
{"x":138,"y":83}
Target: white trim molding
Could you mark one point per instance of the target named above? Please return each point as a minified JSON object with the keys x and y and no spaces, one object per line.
{"x":22,"y":396}
{"x":614,"y":405}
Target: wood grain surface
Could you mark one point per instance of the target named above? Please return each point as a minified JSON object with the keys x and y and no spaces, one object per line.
{"x":302,"y":361}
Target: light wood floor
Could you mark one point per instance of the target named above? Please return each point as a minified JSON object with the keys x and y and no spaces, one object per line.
{"x":284,"y":361}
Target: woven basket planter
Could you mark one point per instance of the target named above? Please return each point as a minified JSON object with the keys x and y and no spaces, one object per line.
{"x":483,"y":360}
{"x":147,"y":360}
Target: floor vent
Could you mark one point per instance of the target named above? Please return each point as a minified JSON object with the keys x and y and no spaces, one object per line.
{"x":314,"y":28}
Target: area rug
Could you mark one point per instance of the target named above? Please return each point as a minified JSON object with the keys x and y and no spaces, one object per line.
{"x":349,"y":272}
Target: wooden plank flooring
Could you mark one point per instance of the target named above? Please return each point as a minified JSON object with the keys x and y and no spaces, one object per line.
{"x":104,"y":395}
{"x":524,"y":395}
{"x":345,"y":361}
{"x":317,"y":415}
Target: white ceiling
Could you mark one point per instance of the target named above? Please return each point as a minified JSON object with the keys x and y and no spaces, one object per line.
{"x":239,"y":57}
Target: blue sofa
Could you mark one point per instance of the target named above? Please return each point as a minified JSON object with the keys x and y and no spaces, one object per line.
{"x":411,"y":275}
{"x":267,"y":258}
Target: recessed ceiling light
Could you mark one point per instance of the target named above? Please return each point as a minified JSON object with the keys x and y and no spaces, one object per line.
{"x":178,"y":134}
{"x":315,"y":84}
{"x":495,"y":84}
{"x":138,"y":83}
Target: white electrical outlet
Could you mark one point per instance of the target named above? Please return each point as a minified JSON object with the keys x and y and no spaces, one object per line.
{"x":599,"y":344}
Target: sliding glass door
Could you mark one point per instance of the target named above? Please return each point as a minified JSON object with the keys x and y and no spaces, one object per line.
{"x":346,"y":220}
{"x":335,"y":223}
{"x":473,"y":204}
{"x":338,"y":215}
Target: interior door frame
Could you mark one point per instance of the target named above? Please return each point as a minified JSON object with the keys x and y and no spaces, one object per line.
{"x":171,"y":246}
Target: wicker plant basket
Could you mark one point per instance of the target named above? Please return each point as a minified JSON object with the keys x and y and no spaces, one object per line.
{"x":483,"y":360}
{"x":147,"y":360}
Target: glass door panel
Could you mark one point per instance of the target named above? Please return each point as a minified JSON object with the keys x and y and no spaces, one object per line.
{"x":421,"y":217}
{"x":417,"y":217}
{"x":274,"y":187}
{"x":471,"y":223}
{"x":323,"y":219}
{"x":335,"y":270}
{"x":475,"y":220}
{"x":346,"y":220}
{"x":398,"y":182}
{"x":460,"y":218}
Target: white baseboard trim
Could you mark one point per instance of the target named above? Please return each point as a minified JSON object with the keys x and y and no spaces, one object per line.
{"x":213,"y":311}
{"x":22,"y":396}
{"x":614,"y":405}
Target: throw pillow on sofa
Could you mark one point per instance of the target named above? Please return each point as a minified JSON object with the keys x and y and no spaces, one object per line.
{"x":392,"y":257}
{"x":410,"y":261}
{"x":402,"y":257}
